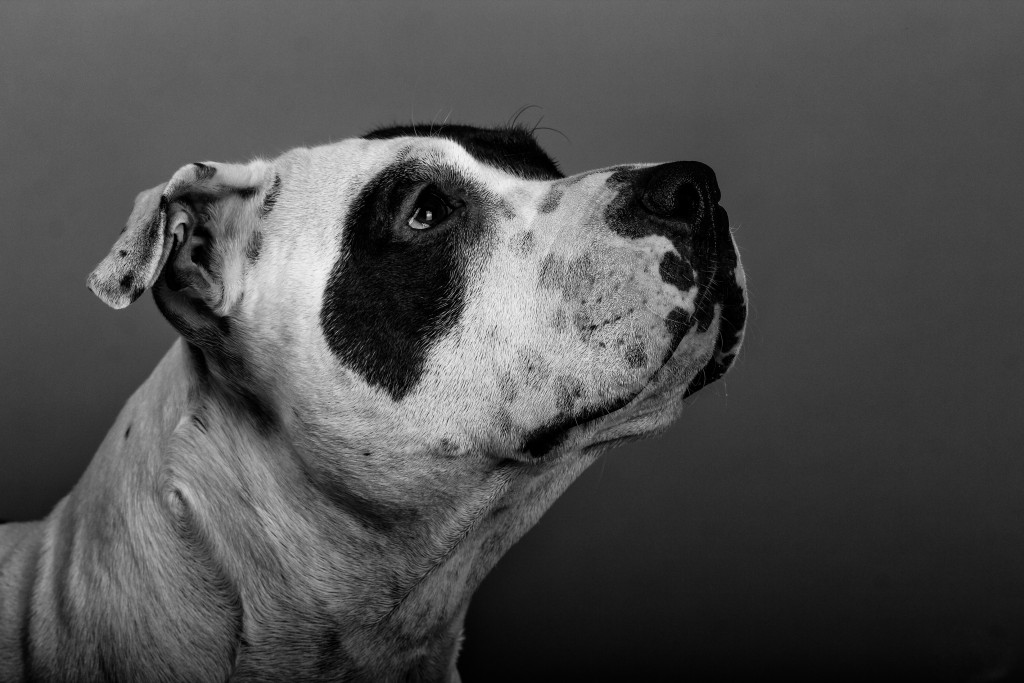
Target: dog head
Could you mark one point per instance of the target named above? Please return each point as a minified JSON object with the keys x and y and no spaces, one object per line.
{"x":410,"y":300}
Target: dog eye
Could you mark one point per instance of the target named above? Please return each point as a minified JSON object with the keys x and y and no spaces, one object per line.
{"x":430,"y":209}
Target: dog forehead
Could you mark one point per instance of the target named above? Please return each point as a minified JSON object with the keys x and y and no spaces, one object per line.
{"x":496,"y":156}
{"x":344,"y":168}
{"x":512,"y":149}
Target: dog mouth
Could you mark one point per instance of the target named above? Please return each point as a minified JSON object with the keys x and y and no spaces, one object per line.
{"x":724,"y":296}
{"x":680,"y":202}
{"x":722,"y":288}
{"x":731,"y":312}
{"x":693,"y":361}
{"x":660,"y":401}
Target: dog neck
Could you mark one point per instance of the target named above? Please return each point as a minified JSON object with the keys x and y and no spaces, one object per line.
{"x":208,"y":526}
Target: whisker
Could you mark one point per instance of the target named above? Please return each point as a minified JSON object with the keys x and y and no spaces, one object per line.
{"x":519,"y":112}
{"x":553,"y":130}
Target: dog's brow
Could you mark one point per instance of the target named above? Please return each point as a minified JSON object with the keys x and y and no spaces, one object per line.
{"x":511,"y":149}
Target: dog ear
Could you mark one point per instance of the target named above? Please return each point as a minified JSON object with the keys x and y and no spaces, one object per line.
{"x":191,"y":230}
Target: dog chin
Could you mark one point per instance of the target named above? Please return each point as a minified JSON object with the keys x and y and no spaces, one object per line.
{"x":660,"y":402}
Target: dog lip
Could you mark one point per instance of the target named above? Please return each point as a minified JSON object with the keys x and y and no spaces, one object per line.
{"x":649,"y":388}
{"x":608,"y":444}
{"x":656,"y":396}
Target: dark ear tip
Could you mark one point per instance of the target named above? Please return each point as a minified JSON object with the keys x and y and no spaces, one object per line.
{"x":115,"y":297}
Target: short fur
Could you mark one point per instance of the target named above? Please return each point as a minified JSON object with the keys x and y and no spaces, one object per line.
{"x":359,"y":419}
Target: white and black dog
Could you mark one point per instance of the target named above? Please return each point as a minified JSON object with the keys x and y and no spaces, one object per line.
{"x":396,"y":351}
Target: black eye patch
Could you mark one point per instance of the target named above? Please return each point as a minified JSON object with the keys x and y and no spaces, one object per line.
{"x":394,"y":291}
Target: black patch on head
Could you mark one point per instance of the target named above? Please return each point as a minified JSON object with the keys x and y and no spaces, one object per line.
{"x":511,"y":149}
{"x":394,"y":291}
{"x":127,"y":280}
{"x":204,"y":172}
{"x":270,"y":199}
{"x":253,"y":246}
{"x":127,"y":431}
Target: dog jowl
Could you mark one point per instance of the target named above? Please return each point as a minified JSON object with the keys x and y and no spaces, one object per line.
{"x":396,"y":351}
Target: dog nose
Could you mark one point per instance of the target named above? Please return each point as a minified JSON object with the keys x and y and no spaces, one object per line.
{"x":682,"y":191}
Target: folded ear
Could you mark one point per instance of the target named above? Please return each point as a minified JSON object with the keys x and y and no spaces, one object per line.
{"x":190,"y":231}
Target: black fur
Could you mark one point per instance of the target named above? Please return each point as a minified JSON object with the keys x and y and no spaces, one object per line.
{"x":393,"y":290}
{"x":734,"y":313}
{"x":680,"y":201}
{"x":692,"y":220}
{"x":511,"y":149}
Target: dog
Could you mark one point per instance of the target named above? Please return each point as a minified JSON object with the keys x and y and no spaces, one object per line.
{"x":395,"y":352}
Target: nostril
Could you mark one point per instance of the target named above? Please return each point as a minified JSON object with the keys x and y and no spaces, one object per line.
{"x":672,"y":195}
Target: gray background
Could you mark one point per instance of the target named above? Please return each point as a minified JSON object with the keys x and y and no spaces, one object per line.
{"x":848,"y":501}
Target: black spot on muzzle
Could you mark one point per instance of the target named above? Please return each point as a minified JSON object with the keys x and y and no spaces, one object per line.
{"x":679,"y":200}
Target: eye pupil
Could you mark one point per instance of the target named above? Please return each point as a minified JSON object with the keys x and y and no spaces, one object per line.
{"x":430,"y":209}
